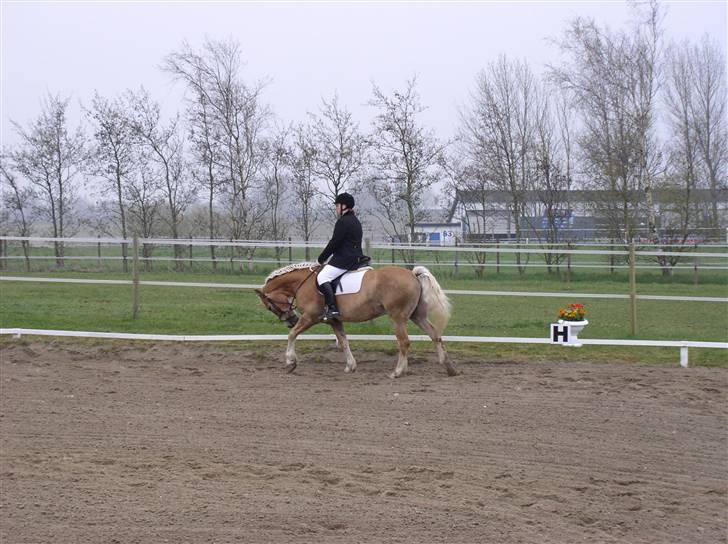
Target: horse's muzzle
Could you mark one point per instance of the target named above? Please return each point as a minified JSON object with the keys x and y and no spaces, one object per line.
{"x":291,"y":321}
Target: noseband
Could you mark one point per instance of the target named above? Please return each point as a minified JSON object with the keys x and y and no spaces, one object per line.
{"x":288,"y":316}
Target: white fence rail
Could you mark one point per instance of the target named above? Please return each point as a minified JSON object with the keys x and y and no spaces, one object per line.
{"x":703,"y":266}
{"x":682,"y":345}
{"x":520,"y":247}
{"x":505,"y":247}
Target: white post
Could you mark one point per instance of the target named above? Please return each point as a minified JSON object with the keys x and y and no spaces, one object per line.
{"x":684,"y":356}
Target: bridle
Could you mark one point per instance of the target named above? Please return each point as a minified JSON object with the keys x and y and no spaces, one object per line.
{"x":289,"y":315}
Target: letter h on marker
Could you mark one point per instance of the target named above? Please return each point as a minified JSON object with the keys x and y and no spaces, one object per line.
{"x":559,"y":333}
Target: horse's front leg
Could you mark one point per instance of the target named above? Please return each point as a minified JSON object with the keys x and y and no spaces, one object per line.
{"x":338,"y":327}
{"x":291,"y":358}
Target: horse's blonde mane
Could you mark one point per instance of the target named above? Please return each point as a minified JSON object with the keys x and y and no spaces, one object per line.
{"x":289,"y":268}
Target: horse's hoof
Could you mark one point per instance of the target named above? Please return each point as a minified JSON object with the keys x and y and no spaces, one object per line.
{"x":451,"y":370}
{"x":290,"y":367}
{"x":350,"y":369}
{"x":394,"y":375}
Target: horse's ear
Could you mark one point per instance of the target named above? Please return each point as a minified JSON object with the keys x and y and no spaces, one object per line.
{"x":259,"y":293}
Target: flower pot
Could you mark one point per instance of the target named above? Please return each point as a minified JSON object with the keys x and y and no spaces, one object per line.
{"x":575,"y":327}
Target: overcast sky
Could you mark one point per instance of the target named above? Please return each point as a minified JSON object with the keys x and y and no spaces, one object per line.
{"x":305,"y":50}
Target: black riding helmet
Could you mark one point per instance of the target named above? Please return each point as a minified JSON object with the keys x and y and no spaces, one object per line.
{"x":346,"y":199}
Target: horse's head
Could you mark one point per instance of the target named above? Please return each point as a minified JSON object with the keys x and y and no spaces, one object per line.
{"x":280,"y":304}
{"x":278,"y":293}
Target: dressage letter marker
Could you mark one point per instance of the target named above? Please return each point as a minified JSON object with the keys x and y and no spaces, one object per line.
{"x":559,"y":333}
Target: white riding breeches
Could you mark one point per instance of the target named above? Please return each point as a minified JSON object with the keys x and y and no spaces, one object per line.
{"x":329,"y":273}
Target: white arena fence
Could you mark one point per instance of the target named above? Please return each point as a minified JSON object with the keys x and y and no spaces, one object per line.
{"x":688,"y":256}
{"x":682,"y":345}
{"x":719,"y":253}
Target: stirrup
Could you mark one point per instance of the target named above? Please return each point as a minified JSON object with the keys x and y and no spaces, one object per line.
{"x":331,"y":314}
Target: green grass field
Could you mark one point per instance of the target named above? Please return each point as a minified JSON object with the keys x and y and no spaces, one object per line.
{"x":178,"y":310}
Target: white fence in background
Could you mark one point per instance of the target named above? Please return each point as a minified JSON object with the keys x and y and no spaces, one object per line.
{"x":562,"y":250}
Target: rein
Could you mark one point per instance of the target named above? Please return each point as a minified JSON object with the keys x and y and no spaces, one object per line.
{"x":295,"y":291}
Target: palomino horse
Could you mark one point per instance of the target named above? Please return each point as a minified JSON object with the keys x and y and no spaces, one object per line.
{"x":400,"y":293}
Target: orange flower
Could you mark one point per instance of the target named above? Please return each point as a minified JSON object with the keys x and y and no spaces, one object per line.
{"x":574,"y":312}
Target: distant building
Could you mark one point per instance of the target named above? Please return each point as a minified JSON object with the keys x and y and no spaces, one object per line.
{"x":439,"y":228}
{"x":487,"y":215}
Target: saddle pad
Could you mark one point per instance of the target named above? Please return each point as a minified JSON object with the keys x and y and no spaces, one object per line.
{"x":351,"y":281}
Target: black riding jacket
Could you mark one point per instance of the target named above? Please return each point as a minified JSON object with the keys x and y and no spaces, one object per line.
{"x":345,"y":243}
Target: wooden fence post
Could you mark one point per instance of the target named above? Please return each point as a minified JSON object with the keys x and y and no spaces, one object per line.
{"x":290,"y":251}
{"x":497,"y":256}
{"x":124,"y":256}
{"x":455,"y":271}
{"x":611,"y":256}
{"x":695,"y":267}
{"x":232,"y":257}
{"x":26,"y":252}
{"x":98,"y":251}
{"x":633,"y":287}
{"x":146,"y":256}
{"x":190,"y":252}
{"x":135,"y":277}
{"x":568,"y":263}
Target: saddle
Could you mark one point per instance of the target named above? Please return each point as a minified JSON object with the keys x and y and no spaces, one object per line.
{"x":361,"y":263}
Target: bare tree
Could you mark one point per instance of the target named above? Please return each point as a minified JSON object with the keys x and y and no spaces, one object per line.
{"x":16,"y":203}
{"x":565,"y":122}
{"x":146,"y":200}
{"x":407,"y":161}
{"x":236,"y":112}
{"x":204,"y":73}
{"x":51,"y":157}
{"x":550,"y":180}
{"x":340,"y":147}
{"x":709,"y":112}
{"x":204,"y":136}
{"x":498,"y":132}
{"x":165,"y":151}
{"x":682,"y":146}
{"x":466,"y":184}
{"x":112,"y":158}
{"x":276,"y":180}
{"x":613,"y":78}
{"x":305,"y":191}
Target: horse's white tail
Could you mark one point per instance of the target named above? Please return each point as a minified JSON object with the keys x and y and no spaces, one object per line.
{"x":438,"y":305}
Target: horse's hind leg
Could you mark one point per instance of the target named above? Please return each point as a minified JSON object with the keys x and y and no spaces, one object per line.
{"x":344,"y":345}
{"x":400,"y":330}
{"x":423,"y":323}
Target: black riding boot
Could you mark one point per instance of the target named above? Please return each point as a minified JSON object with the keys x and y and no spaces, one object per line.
{"x":330,"y":309}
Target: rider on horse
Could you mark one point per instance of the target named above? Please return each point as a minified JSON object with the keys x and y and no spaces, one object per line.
{"x":345,"y":251}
